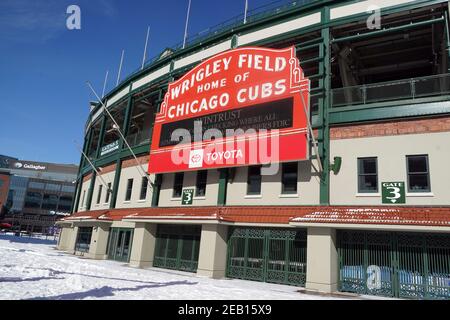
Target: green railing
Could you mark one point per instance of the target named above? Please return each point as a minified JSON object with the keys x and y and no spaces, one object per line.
{"x":394,"y":264}
{"x":177,"y":247}
{"x":414,"y":88}
{"x":269,"y":255}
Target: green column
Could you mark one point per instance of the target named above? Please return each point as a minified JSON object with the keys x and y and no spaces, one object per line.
{"x":115,"y":187}
{"x":223,"y":182}
{"x":90,"y":191}
{"x":324,"y":129}
{"x":156,"y":190}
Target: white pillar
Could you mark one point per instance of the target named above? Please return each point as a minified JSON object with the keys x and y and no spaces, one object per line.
{"x":143,"y":246}
{"x":322,"y":260}
{"x":72,"y":238}
{"x":212,"y":258}
{"x":64,"y":236}
{"x":99,"y":242}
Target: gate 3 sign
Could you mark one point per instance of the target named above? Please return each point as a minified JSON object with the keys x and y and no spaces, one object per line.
{"x":393,"y":192}
{"x":240,"y":107}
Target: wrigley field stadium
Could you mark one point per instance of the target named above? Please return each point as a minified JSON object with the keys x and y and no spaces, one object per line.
{"x":308,"y":145}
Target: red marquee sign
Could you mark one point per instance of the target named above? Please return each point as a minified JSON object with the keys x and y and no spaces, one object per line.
{"x":240,"y":107}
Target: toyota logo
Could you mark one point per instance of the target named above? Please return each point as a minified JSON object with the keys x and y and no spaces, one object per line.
{"x":195,"y":158}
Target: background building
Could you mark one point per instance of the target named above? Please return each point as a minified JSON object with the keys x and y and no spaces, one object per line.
{"x":35,"y":194}
{"x":376,"y":220}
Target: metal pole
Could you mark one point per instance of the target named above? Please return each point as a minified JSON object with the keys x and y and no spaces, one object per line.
{"x":186,"y":26}
{"x":143,"y":173}
{"x":104,"y":83}
{"x":145,"y":48}
{"x":92,"y":165}
{"x":120,"y":68}
{"x":245,"y":11}
{"x":311,"y":132}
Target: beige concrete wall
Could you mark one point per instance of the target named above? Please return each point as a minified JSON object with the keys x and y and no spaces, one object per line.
{"x":213,"y":251}
{"x":72,"y":238}
{"x":391,"y":152}
{"x":99,"y":241}
{"x":143,"y":247}
{"x":322,"y":260}
{"x":135,"y":202}
{"x":189,"y":182}
{"x":64,"y":238}
{"x":85,"y":191}
{"x":308,"y":188}
{"x":108,"y":178}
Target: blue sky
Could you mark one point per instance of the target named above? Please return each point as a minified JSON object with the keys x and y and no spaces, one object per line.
{"x":44,"y":66}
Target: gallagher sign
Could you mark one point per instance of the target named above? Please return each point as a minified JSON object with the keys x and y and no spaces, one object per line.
{"x":240,"y":107}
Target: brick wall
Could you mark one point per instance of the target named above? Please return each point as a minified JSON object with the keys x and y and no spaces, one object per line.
{"x":391,"y":128}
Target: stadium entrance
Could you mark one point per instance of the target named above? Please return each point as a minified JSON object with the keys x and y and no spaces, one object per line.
{"x":394,"y":264}
{"x":268,"y":255}
{"x":177,"y":247}
{"x":119,"y":245}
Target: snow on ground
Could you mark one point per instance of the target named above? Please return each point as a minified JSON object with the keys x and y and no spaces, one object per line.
{"x":31,"y":268}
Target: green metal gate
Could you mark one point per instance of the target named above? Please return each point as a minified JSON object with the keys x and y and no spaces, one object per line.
{"x":177,"y":247}
{"x":119,"y":244}
{"x":269,"y":255}
{"x":394,"y":264}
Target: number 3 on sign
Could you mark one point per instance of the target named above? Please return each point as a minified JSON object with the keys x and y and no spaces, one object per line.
{"x":393,"y":192}
{"x":187,"y":196}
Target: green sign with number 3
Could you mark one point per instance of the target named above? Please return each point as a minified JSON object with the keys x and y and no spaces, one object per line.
{"x":393,"y":192}
{"x":187,"y":197}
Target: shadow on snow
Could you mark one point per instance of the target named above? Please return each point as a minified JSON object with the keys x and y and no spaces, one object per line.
{"x":26,"y":239}
{"x":107,"y":291}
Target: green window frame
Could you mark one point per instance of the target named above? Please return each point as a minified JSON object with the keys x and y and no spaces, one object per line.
{"x":178,"y":184}
{"x":129,"y":190}
{"x":200,"y":186}
{"x":368,"y":175}
{"x":254,"y":180}
{"x":289,"y":177}
{"x":99,"y":195}
{"x":418,"y":173}
{"x":144,"y":187}
{"x":108,"y":193}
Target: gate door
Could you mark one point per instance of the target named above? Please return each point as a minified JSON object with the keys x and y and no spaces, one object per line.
{"x":269,"y":255}
{"x":177,"y":247}
{"x":119,"y":244}
{"x":408,"y":265}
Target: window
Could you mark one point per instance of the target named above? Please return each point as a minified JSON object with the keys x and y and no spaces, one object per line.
{"x":178,"y":184}
{"x":53,"y":187}
{"x":200,"y":188}
{"x":254,"y":180}
{"x":99,"y":195}
{"x":367,"y":175}
{"x":108,"y":192}
{"x":144,"y":185}
{"x":95,"y":136}
{"x":50,"y":202}
{"x":33,"y":200}
{"x":68,"y":188}
{"x":129,"y":190}
{"x":36,"y":185}
{"x":82,"y":199}
{"x":65,"y":203}
{"x":83,"y":239}
{"x":289,"y":178}
{"x":418,"y":173}
{"x":111,"y":134}
{"x":141,"y":122}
